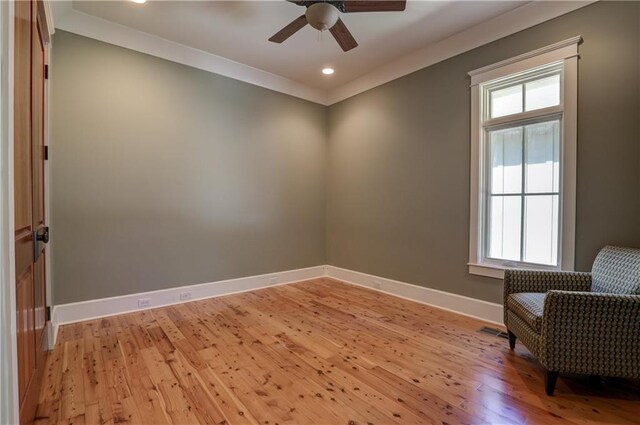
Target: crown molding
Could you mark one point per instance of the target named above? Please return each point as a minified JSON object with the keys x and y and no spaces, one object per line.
{"x":71,"y":20}
{"x":523,"y":17}
{"x":501,"y":26}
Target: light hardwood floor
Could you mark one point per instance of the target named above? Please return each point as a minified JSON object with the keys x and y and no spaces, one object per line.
{"x":316,"y":352}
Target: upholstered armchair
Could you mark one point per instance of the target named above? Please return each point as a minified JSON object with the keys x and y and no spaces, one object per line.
{"x":585,"y":323}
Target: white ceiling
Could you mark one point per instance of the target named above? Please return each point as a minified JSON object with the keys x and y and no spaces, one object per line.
{"x":238,"y":30}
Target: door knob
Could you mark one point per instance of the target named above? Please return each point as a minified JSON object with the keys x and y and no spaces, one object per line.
{"x":44,"y":237}
{"x":39,"y":237}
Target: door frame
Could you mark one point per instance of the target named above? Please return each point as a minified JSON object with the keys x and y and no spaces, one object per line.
{"x":9,"y":403}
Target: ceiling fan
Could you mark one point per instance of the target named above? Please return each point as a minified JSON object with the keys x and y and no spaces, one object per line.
{"x":325,"y":15}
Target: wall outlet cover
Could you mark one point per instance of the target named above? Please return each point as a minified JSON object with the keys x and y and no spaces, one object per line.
{"x":144,"y":302}
{"x":185,"y":295}
{"x":273,"y":279}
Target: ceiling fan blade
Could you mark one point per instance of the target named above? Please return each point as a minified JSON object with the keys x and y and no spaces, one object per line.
{"x":343,"y":36}
{"x":286,"y":32}
{"x":375,"y":6}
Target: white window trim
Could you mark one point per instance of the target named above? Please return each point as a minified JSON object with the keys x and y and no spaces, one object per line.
{"x":566,"y":51}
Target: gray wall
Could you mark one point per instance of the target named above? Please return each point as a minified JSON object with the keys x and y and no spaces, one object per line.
{"x":398,"y":172}
{"x":164,"y":175}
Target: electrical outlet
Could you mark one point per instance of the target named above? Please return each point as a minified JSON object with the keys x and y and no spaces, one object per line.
{"x":185,"y":295}
{"x":377,"y":284}
{"x":144,"y":302}
{"x":273,"y":279}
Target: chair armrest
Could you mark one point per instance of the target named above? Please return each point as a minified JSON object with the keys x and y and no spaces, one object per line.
{"x":517,"y":281}
{"x":591,"y":333}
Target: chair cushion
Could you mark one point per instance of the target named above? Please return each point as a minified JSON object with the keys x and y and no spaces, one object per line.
{"x":616,"y":270}
{"x":529,"y":307}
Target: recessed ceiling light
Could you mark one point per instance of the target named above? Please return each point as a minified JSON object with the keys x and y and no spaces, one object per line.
{"x":327,"y":71}
{"x":139,"y":1}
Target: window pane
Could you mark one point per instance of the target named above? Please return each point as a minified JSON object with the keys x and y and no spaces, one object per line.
{"x":541,"y":229}
{"x":542,"y":145}
{"x":542,"y":93}
{"x":506,"y":101}
{"x":504,"y":227}
{"x":506,"y":160}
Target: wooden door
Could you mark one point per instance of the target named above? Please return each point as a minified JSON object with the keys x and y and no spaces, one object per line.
{"x":29,"y":75}
{"x":37,"y":161}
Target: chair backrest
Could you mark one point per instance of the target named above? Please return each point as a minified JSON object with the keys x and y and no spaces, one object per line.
{"x":616,"y":271}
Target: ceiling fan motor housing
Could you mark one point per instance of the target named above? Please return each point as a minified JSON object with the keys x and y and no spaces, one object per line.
{"x":322,"y":16}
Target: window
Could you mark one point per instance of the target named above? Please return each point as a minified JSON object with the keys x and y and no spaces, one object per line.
{"x":523,"y":147}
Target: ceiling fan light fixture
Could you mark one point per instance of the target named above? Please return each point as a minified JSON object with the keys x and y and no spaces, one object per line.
{"x":139,"y":1}
{"x":322,"y":16}
{"x":328,"y":71}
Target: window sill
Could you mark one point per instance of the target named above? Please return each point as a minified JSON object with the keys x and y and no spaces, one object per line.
{"x":488,"y":270}
{"x":496,"y":271}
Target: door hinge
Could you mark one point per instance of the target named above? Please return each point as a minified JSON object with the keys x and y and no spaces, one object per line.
{"x":48,"y":313}
{"x":46,"y":72}
{"x":46,"y":153}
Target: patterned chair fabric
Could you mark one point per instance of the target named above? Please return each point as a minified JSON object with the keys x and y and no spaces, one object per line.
{"x":591,"y":333}
{"x":570,"y":327}
{"x":516,"y":281}
{"x":528,"y":306}
{"x":617,"y":271}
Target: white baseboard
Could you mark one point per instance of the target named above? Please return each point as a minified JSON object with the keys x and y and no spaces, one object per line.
{"x":478,"y":309}
{"x":93,"y":309}
{"x":53,"y":332}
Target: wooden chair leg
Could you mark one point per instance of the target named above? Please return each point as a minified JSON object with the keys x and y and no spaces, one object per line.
{"x":512,"y":340}
{"x":550,"y":379}
{"x":595,"y":381}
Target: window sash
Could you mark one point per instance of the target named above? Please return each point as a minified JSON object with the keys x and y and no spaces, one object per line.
{"x":485,"y":170}
{"x":487,"y":258}
{"x":522,"y":78}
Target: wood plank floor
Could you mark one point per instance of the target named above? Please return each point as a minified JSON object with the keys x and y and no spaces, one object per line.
{"x":316,"y":352}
